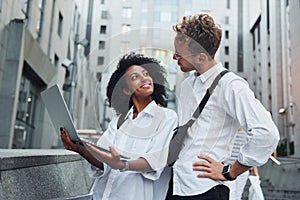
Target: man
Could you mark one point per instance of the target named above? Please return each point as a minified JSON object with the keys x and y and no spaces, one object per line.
{"x":202,"y":169}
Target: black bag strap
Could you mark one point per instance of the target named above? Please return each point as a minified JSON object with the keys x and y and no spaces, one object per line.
{"x":176,"y":142}
{"x":208,"y":94}
{"x":121,"y":120}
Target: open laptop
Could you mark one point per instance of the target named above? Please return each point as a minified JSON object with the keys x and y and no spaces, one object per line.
{"x":61,"y":117}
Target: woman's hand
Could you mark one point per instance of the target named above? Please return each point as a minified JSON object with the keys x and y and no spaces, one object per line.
{"x":68,"y":143}
{"x":112,"y":159}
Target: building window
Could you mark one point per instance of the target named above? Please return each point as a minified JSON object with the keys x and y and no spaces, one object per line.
{"x":24,"y":7}
{"x":74,"y":17}
{"x":226,"y":65}
{"x":25,"y":125}
{"x":165,"y":16}
{"x":60,"y":24}
{"x":125,"y":28}
{"x":144,"y":17}
{"x":156,"y":16}
{"x":40,"y":4}
{"x":102,"y":29}
{"x":100,"y":60}
{"x":227,"y":20}
{"x":253,"y":40}
{"x":127,"y":12}
{"x":101,"y":44}
{"x":56,"y":60}
{"x":226,"y":50}
{"x":227,"y":34}
{"x":228,"y":4}
{"x":124,"y":46}
{"x":258,"y":33}
{"x":268,"y":16}
{"x":102,"y":1}
{"x":104,"y":14}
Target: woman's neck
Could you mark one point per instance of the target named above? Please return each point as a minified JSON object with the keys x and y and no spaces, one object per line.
{"x":140,"y":104}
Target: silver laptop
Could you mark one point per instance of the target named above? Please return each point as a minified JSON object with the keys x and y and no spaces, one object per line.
{"x":58,"y":111}
{"x":60,"y":115}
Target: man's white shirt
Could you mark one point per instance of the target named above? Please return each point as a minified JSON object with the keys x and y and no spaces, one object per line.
{"x":232,"y":104}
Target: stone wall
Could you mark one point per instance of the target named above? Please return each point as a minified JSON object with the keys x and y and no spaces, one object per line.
{"x":42,"y":174}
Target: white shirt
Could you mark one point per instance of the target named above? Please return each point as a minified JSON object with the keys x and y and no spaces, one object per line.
{"x":232,"y":104}
{"x":144,"y":136}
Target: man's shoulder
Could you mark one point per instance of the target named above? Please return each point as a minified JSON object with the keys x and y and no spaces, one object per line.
{"x":232,"y":78}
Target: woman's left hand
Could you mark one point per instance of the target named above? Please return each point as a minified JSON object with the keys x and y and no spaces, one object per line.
{"x":112,"y":159}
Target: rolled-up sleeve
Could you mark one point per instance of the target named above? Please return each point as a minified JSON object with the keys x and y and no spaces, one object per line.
{"x":262,"y":133}
{"x":157,"y":156}
{"x":93,"y":171}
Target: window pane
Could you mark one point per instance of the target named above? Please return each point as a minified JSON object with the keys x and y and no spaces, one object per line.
{"x":226,"y":65}
{"x":102,"y":29}
{"x":127,"y":12}
{"x":227,"y":34}
{"x":226,"y":50}
{"x":100,"y":60}
{"x":125,"y":28}
{"x":104,"y":14}
{"x":124,"y":46}
{"x":101,"y":44}
{"x":60,"y":24}
{"x":165,"y":16}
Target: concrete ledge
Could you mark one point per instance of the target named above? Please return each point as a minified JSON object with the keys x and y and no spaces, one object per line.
{"x":42,"y":174}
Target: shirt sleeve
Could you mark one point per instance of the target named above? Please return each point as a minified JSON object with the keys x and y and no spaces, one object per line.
{"x":93,"y":171}
{"x":262,"y":133}
{"x":157,"y":156}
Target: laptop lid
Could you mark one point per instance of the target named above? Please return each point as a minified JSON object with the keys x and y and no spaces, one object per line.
{"x":61,"y":117}
{"x":58,"y":111}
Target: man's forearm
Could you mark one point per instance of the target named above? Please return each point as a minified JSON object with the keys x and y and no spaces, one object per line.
{"x":237,"y":169}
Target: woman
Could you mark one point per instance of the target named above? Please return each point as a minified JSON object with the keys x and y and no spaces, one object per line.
{"x":136,"y":92}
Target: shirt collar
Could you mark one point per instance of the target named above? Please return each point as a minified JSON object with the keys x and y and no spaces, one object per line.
{"x":149,"y":109}
{"x":211,"y":72}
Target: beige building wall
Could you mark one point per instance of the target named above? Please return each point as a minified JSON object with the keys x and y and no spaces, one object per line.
{"x":146,"y":27}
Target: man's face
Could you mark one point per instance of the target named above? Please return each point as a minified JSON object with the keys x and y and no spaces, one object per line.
{"x":184,"y":57}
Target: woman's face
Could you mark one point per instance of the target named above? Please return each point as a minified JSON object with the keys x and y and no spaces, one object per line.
{"x":139,"y":82}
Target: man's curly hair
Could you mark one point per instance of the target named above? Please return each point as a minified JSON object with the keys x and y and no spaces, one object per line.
{"x":202,"y":29}
{"x":114,"y":92}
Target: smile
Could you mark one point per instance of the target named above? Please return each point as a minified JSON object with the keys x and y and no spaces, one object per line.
{"x":146,"y":86}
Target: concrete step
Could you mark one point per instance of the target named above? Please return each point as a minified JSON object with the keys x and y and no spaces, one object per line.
{"x":272,"y":193}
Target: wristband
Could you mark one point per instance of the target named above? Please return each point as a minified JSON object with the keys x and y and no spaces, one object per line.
{"x":226,"y":174}
{"x":126,"y":167}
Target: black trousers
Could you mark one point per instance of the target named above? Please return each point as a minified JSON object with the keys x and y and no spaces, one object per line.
{"x":219,"y":192}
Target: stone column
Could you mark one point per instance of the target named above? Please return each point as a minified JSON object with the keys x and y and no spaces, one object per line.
{"x":9,"y":91}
